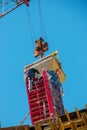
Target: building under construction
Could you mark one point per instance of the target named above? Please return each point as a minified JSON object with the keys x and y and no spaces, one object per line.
{"x":43,"y":80}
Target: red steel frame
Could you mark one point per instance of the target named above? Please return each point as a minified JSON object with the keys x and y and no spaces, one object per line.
{"x":41,"y":93}
{"x":48,"y":92}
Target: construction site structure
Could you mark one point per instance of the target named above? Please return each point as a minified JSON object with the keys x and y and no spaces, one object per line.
{"x":43,"y":84}
{"x":43,"y":80}
{"x":76,"y":120}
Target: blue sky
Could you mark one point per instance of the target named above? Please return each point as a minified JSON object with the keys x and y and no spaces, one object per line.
{"x":66,"y":30}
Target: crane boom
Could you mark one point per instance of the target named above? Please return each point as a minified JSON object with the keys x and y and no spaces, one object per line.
{"x":9,"y":6}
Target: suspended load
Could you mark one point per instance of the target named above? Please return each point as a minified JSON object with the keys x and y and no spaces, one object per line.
{"x":44,"y":89}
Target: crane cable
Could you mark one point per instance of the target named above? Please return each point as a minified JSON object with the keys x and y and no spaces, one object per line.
{"x":31,"y":28}
{"x":42,"y":27}
{"x":43,"y":32}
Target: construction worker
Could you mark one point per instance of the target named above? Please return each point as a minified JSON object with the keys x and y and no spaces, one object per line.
{"x":31,"y":76}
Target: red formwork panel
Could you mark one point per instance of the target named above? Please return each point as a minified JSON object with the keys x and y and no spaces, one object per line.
{"x":48,"y":92}
{"x":37,"y":96}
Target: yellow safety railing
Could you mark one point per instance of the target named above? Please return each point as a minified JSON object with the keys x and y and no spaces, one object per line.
{"x":78,"y":123}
